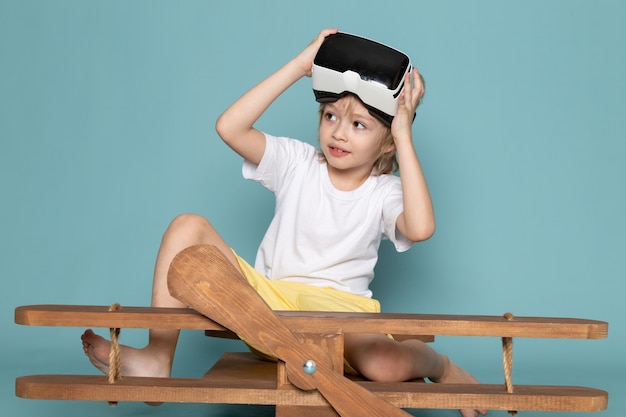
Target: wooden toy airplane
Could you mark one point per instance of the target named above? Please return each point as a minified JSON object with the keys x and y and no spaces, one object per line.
{"x":307,"y":380}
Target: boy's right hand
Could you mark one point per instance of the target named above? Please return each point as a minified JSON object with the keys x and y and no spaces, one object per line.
{"x":306,"y":57}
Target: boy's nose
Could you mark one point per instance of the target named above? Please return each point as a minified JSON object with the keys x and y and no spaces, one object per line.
{"x":340,"y":132}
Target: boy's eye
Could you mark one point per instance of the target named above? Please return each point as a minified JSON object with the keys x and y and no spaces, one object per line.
{"x":330,"y":116}
{"x":359,"y":125}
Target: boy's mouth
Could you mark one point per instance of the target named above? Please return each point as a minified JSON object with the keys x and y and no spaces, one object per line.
{"x":335,"y":151}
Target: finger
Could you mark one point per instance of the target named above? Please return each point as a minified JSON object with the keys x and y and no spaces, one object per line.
{"x":406,"y":95}
{"x":412,"y":91}
{"x":324,"y":34}
{"x":418,"y":84}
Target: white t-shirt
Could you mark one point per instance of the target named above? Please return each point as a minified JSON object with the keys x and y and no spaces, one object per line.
{"x":319,"y":235}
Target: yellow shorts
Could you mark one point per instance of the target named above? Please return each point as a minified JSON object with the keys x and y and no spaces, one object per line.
{"x":294,"y":296}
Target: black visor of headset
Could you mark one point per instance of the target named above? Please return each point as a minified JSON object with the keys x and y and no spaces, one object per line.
{"x":372,"y":71}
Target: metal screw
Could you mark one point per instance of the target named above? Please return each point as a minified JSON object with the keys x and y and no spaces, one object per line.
{"x":309,"y":367}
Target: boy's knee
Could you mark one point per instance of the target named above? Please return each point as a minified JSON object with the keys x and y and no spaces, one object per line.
{"x":188,"y":229}
{"x":189,"y":221}
{"x":382,"y":362}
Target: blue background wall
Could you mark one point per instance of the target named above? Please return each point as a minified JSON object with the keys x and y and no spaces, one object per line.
{"x":107,"y":111}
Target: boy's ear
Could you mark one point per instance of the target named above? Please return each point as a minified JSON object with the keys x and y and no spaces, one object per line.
{"x":390,"y":148}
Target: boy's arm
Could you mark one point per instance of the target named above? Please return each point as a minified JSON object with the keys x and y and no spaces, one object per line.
{"x":236,"y":125}
{"x":417,"y":221}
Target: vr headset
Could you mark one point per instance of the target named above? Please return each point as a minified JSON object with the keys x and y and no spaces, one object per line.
{"x":372,"y":71}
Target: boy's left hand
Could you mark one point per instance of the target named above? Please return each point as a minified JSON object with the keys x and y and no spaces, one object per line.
{"x":407,"y":103}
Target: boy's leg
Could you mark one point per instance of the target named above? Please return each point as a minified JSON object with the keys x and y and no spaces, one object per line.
{"x":380,"y":358}
{"x":155,"y":359}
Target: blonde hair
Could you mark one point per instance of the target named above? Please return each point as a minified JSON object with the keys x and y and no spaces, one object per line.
{"x":386,"y":163}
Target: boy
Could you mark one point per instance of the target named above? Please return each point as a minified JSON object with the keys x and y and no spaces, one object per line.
{"x":333,"y":208}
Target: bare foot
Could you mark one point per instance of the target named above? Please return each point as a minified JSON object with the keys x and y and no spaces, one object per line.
{"x":135,"y":362}
{"x":454,"y":374}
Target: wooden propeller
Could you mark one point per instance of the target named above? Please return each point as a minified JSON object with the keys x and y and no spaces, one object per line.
{"x":204,"y":279}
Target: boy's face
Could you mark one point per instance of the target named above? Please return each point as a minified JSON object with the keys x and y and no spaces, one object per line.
{"x":351,"y":138}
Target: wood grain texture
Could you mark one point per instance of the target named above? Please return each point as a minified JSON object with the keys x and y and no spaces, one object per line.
{"x":242,"y":378}
{"x":317,"y":322}
{"x":201,"y":277}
